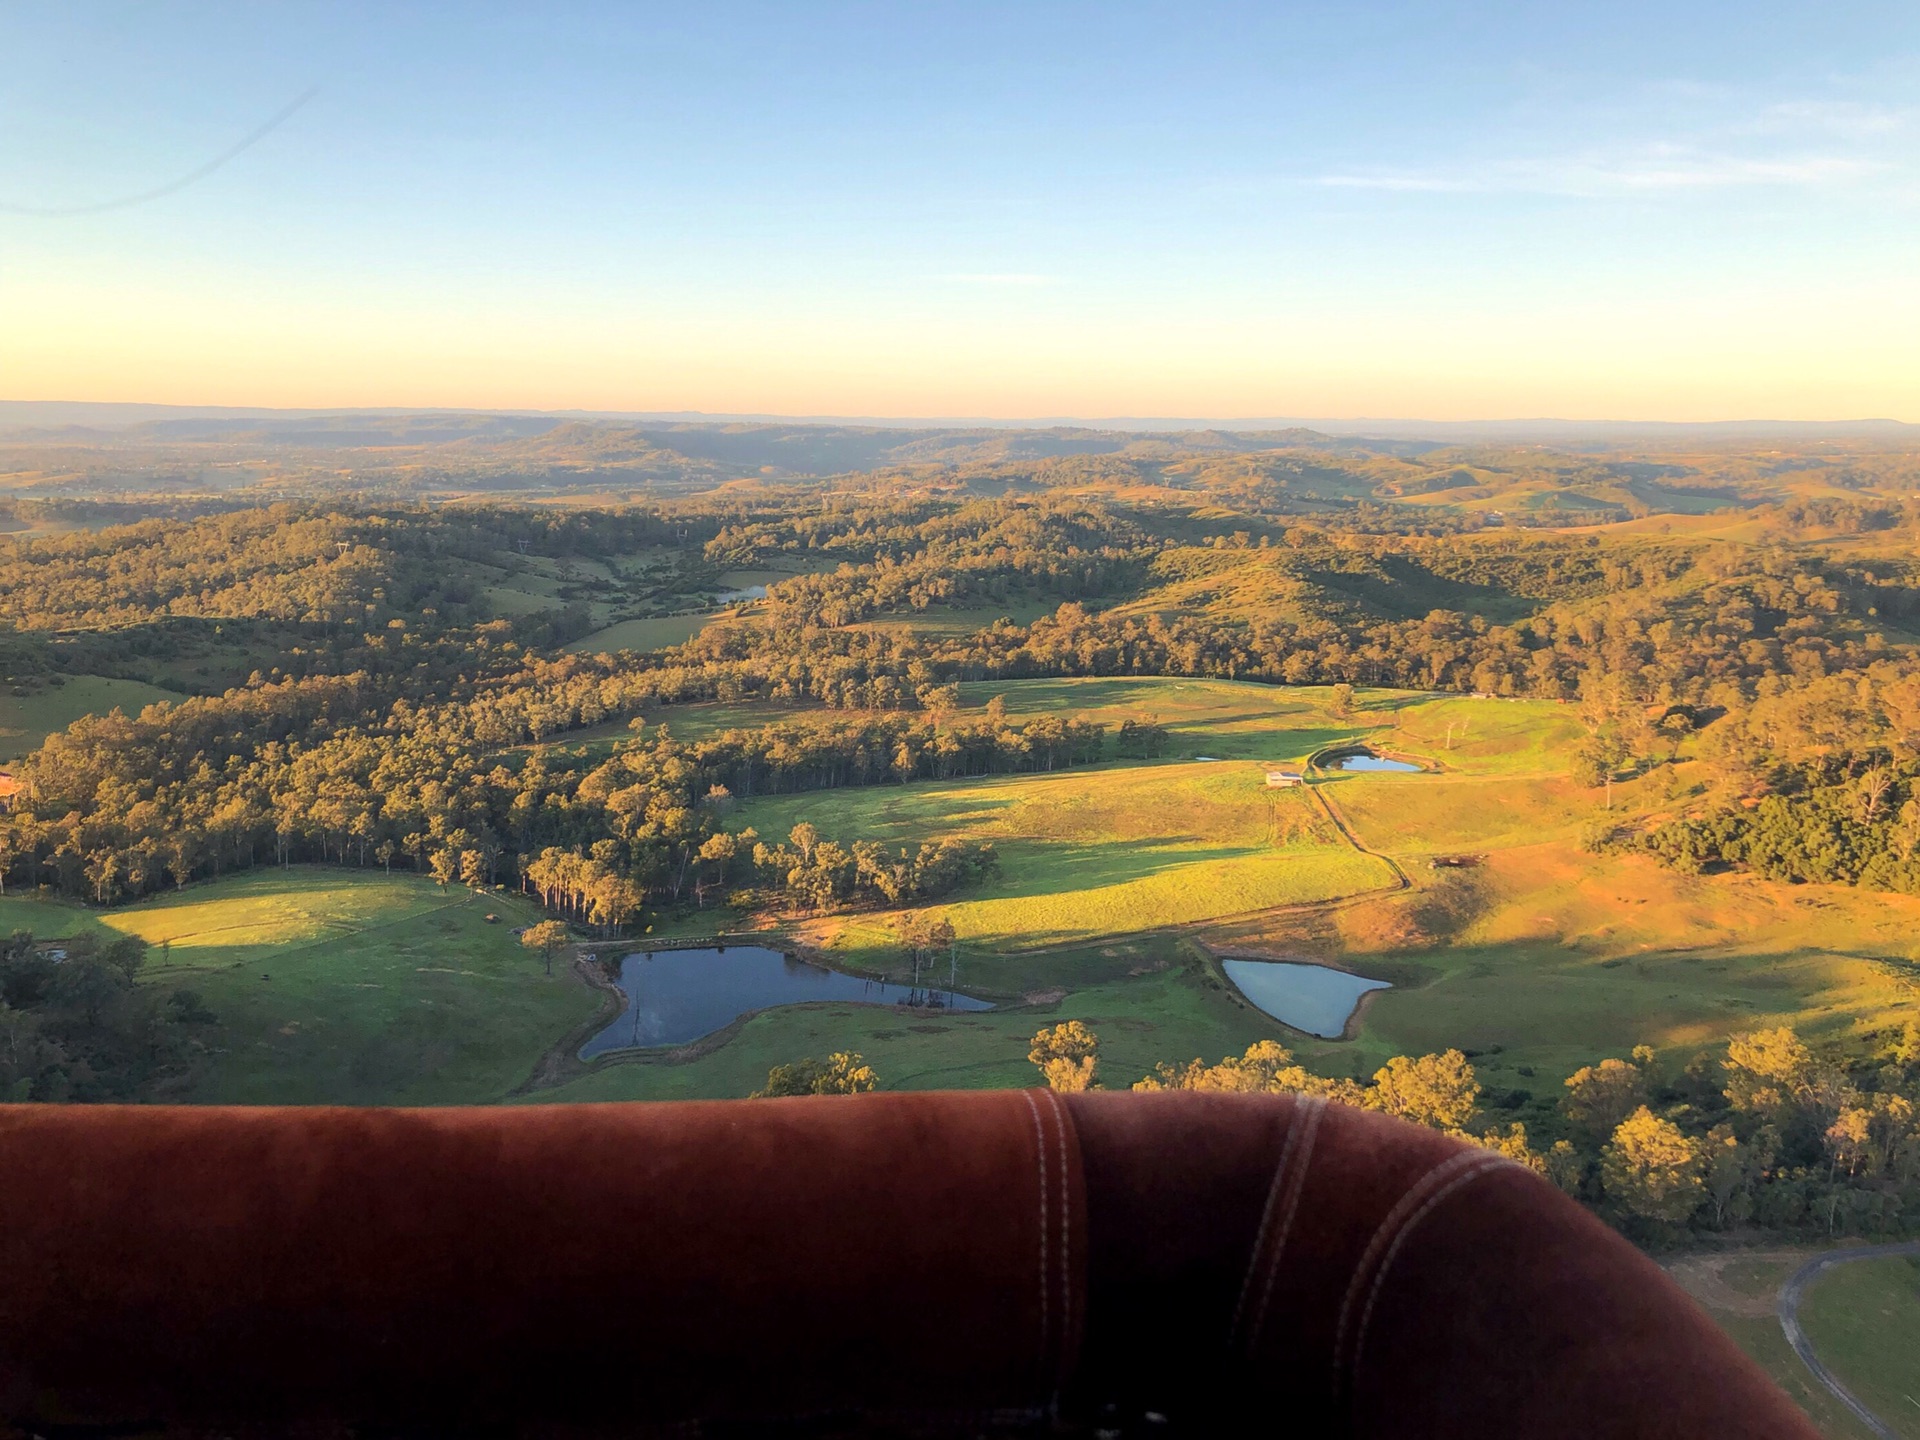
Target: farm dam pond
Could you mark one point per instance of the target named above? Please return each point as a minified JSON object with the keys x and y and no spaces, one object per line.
{"x":1376,"y":763}
{"x":1315,"y":998}
{"x":1364,"y":759}
{"x":674,"y":997}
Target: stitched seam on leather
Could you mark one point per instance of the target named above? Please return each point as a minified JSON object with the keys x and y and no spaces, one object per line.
{"x":1066,"y":1235}
{"x":1066,"y":1222}
{"x":1296,"y":1181}
{"x":1040,"y":1165}
{"x":1266,"y":1220}
{"x":1409,"y":1201}
{"x":1473,"y":1173}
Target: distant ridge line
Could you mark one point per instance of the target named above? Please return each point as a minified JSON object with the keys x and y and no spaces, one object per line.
{"x":36,"y":414}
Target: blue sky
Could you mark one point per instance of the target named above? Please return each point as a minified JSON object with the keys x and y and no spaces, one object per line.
{"x":1451,"y":211}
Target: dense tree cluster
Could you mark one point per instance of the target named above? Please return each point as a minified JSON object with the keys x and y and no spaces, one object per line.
{"x":824,"y":874}
{"x":1727,"y":621}
{"x":841,"y":1073}
{"x":1861,"y":831}
{"x":1766,"y":1133}
{"x":1435,"y":1090}
{"x":75,"y":1026}
{"x":1769,"y":1133}
{"x":116,"y":807}
{"x":288,"y":562}
{"x":1816,"y":781}
{"x":986,"y":553}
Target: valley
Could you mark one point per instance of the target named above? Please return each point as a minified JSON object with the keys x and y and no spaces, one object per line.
{"x":1572,"y":816}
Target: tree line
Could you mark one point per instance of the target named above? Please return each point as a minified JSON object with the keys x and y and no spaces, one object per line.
{"x":1768,"y":1132}
{"x":115,"y":808}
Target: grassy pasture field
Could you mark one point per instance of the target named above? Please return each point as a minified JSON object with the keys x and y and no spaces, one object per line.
{"x":1864,"y":1321}
{"x":26,"y":720}
{"x":345,"y":987}
{"x":1538,"y":960}
{"x":46,"y":917}
{"x":1546,"y":962}
{"x":746,"y":579}
{"x":1739,"y":1289}
{"x":211,"y":661}
{"x":614,"y":589}
{"x":1226,"y":719}
{"x":505,"y":602}
{"x":513,"y":587}
{"x":653,"y":632}
{"x":1103,"y":851}
{"x":940,"y":620}
{"x":528,"y":584}
{"x":1545,"y":959}
{"x":1436,"y":814}
{"x":1485,"y":736}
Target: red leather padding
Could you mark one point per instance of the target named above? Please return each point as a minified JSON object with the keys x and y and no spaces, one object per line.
{"x":1256,"y":1256}
{"x":1250,"y":1258}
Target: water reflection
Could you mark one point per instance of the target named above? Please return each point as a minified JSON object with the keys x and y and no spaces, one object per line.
{"x":1312,"y":998}
{"x":673,"y":997}
{"x":1377,"y":762}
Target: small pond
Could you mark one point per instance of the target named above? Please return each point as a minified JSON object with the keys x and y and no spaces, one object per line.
{"x":1312,"y":998}
{"x":1367,"y":760}
{"x":673,"y":997}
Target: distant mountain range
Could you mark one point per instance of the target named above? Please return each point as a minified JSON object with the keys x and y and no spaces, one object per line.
{"x":52,"y":419}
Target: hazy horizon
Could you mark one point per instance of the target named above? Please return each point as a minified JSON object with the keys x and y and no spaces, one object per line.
{"x":30,"y":414}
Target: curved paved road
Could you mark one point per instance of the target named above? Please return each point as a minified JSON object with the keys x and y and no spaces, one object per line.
{"x":1789,"y":1311}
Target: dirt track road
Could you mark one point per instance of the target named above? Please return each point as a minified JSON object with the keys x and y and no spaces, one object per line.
{"x":1789,"y":1312}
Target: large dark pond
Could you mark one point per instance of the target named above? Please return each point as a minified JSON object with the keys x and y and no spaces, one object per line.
{"x":1312,"y":998}
{"x":676,"y":996}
